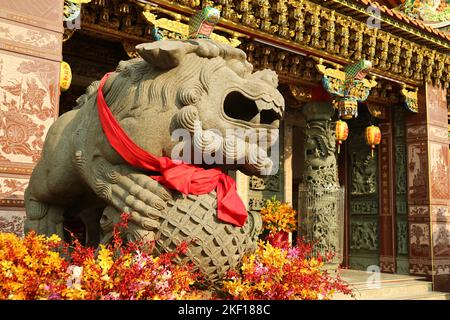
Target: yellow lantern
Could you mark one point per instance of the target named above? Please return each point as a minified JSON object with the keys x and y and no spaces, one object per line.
{"x":65,"y":77}
{"x":341,"y":133}
{"x":373,"y":137}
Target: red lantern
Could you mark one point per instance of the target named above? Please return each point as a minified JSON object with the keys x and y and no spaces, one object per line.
{"x":341,"y":133}
{"x":373,"y":137}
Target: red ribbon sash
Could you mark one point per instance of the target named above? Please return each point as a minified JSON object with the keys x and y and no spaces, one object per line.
{"x":185,"y":178}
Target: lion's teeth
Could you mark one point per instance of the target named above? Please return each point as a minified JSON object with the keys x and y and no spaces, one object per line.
{"x":256,"y":119}
{"x":263,"y":105}
{"x":276,"y":123}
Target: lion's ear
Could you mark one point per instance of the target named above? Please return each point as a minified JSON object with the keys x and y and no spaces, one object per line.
{"x":165,"y":54}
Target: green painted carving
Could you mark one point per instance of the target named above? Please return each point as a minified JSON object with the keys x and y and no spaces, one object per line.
{"x":363,"y":177}
{"x":364,"y":235}
{"x":364,"y":207}
{"x":402,"y":237}
{"x":401,"y":204}
{"x":400,"y":160}
{"x":364,"y":172}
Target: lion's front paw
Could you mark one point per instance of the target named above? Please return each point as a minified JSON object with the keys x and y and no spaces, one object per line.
{"x":142,"y":197}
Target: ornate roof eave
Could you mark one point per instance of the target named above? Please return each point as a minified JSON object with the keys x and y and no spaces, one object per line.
{"x":392,"y":22}
{"x":308,"y":28}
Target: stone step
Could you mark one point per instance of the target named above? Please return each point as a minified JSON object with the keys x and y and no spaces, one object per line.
{"x":431,"y":296}
{"x":405,"y":291}
{"x":390,"y":287}
{"x":387,"y":291}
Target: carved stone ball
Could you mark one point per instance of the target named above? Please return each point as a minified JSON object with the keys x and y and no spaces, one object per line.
{"x":217,"y":246}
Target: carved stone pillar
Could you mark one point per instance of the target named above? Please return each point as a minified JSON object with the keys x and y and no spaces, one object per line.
{"x":320,"y":199}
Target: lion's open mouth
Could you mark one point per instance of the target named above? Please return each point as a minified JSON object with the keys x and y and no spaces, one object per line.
{"x":258,"y":112}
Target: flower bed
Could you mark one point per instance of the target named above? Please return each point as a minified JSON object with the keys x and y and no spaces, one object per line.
{"x":282,"y":273}
{"x":39,"y":267}
{"x":278,"y":270}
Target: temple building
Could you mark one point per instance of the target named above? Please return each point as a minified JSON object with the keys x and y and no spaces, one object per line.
{"x":381,"y":69}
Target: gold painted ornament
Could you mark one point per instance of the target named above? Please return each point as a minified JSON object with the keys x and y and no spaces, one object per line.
{"x":348,"y":109}
{"x":373,"y":137}
{"x":341,"y":133}
{"x":65,"y":77}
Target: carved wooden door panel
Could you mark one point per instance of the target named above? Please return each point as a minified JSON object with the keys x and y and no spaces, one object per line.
{"x":363,"y":197}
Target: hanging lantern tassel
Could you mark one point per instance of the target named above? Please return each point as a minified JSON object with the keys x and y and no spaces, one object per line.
{"x":341,"y":133}
{"x":373,"y":137}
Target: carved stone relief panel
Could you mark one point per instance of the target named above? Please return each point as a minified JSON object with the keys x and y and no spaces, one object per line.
{"x":271,"y":183}
{"x":364,"y":207}
{"x":441,"y":240}
{"x":442,"y":267}
{"x":28,"y":106}
{"x":261,"y":189}
{"x":417,"y":132}
{"x":436,"y":104}
{"x":419,"y":211}
{"x":364,"y":235}
{"x":12,"y":221}
{"x":440,"y":212}
{"x":43,"y":13}
{"x":364,"y":173}
{"x":419,"y":266}
{"x":419,"y":239}
{"x":14,"y":34}
{"x":438,"y":133}
{"x":30,"y":55}
{"x":417,"y":175}
{"x":439,"y":170}
{"x":256,"y":204}
{"x":12,"y":190}
{"x":364,"y":196}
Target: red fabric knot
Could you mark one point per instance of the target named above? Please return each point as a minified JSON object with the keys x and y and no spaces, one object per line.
{"x":183,"y":177}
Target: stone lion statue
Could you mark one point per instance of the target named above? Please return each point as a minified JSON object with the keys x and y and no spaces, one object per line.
{"x":192,"y":84}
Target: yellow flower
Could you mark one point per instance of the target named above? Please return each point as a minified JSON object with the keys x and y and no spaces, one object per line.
{"x":105,"y":260}
{"x":54,"y":238}
{"x":278,"y":216}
